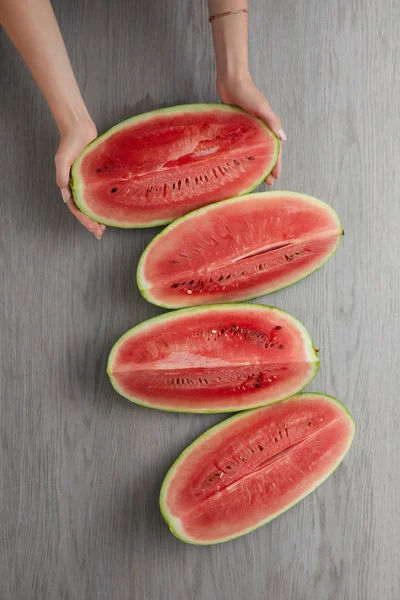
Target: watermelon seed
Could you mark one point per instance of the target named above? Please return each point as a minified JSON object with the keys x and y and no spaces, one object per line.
{"x":286,"y":429}
{"x":276,"y":439}
{"x":221,"y":278}
{"x":221,"y":171}
{"x":228,"y":467}
{"x":215,"y":173}
{"x":228,"y":276}
{"x":309,"y":423}
{"x":250,"y":157}
{"x":173,"y":185}
{"x":257,"y":385}
{"x":280,"y":347}
{"x":113,"y":190}
{"x":191,"y":282}
{"x":236,"y":162}
{"x":179,"y":184}
{"x":175,"y":285}
{"x":260,"y":447}
{"x":206,"y":178}
{"x":165,"y":189}
{"x":241,"y":458}
{"x":187,"y":182}
{"x":280,"y":432}
{"x":278,"y":327}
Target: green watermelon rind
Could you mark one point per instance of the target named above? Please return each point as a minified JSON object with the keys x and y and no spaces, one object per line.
{"x":310,"y":353}
{"x":76,"y":179}
{"x":173,"y":522}
{"x":143,"y":284}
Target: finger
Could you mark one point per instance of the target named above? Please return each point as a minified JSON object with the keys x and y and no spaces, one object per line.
{"x":272,"y":120}
{"x":278,"y":167}
{"x":269,"y":181}
{"x":86,"y":221}
{"x":63,"y":165}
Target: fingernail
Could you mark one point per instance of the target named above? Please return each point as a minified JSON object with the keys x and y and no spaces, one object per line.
{"x":66,"y":194}
{"x":97,"y":236}
{"x":282,"y":135}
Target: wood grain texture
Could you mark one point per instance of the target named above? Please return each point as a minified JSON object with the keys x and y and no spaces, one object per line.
{"x":80,"y":466}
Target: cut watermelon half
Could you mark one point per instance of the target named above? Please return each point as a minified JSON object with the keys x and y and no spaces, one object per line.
{"x":156,"y":167}
{"x":213,"y":359}
{"x":249,"y":469}
{"x":238,"y":249}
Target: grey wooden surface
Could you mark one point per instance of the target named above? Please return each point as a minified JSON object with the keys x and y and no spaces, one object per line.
{"x":80,"y":466}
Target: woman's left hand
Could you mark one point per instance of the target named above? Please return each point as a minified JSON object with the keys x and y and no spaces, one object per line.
{"x":242,"y":92}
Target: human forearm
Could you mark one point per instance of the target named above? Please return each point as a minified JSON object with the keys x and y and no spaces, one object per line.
{"x":33,"y":29}
{"x":234,"y":83}
{"x":230,"y":37}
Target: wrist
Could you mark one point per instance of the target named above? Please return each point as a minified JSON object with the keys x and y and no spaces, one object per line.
{"x":73,"y":117}
{"x":230,"y":80}
{"x":233,"y":70}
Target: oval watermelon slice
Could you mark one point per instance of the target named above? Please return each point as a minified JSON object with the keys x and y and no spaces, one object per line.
{"x":213,"y":359}
{"x":156,"y":167}
{"x":247,"y":470}
{"x":238,"y":249}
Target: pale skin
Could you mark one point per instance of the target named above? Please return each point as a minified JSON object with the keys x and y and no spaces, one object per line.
{"x":32,"y":27}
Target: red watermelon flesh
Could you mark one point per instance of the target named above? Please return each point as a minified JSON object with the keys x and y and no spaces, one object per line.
{"x":156,"y":167}
{"x":247,"y":470}
{"x":213,"y":359}
{"x":238,"y":249}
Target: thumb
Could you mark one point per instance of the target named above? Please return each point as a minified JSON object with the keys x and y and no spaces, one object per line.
{"x":63,"y":166}
{"x":272,"y":120}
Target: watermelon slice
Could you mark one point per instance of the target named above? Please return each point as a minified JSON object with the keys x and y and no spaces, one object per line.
{"x":213,"y":359}
{"x":238,"y":249}
{"x":156,"y":167}
{"x":247,"y":470}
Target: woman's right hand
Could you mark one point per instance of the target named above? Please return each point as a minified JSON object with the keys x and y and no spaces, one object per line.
{"x":73,"y":139}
